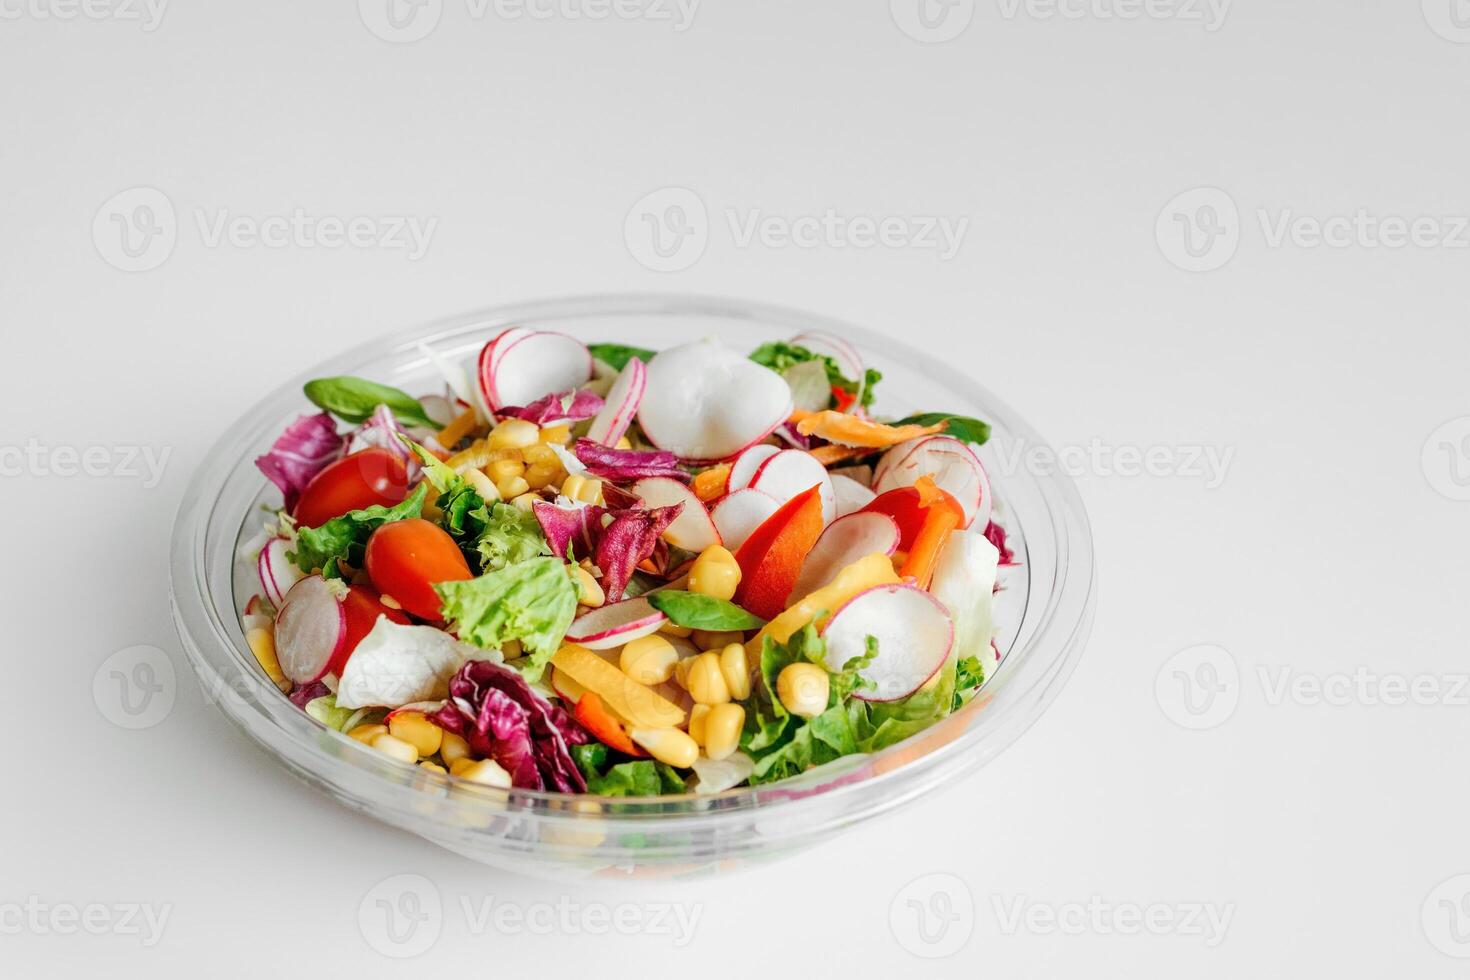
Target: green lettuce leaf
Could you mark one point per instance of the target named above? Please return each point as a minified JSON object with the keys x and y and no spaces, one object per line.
{"x":346,"y":537}
{"x":643,"y":777}
{"x":533,"y":601}
{"x":961,"y":427}
{"x":617,"y":356}
{"x":492,"y":536}
{"x":511,"y":535}
{"x":969,"y":675}
{"x":780,"y":356}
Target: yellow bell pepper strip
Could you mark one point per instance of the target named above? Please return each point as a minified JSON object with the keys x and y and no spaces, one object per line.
{"x":634,"y":704}
{"x":863,"y":574}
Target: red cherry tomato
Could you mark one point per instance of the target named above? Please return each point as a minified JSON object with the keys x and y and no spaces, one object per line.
{"x":363,"y":606}
{"x":908,"y":508}
{"x":405,"y":559}
{"x":373,"y":476}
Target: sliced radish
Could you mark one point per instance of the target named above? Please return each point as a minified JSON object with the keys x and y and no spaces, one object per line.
{"x":843,"y":542}
{"x":954,"y":467}
{"x":705,"y":402}
{"x":277,"y":572}
{"x":740,"y":513}
{"x":310,"y":630}
{"x":851,"y":495}
{"x":518,"y":369}
{"x":846,"y":355}
{"x":615,"y":624}
{"x":793,"y":471}
{"x":258,"y":615}
{"x":490,"y":354}
{"x":621,"y":405}
{"x":892,"y":456}
{"x":742,"y":470}
{"x":914,"y":633}
{"x":692,"y":530}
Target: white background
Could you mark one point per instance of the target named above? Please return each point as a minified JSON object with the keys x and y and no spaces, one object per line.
{"x":1333,"y":542}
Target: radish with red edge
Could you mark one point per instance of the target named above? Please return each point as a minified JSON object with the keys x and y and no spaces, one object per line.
{"x":616,"y":623}
{"x":954,"y":467}
{"x":737,"y":515}
{"x":742,"y":470}
{"x":277,"y":572}
{"x":705,"y":402}
{"x":311,"y":630}
{"x":851,"y":495}
{"x":914,"y":633}
{"x":489,"y":355}
{"x":621,"y":405}
{"x":794,"y":471}
{"x":847,"y":358}
{"x":692,"y":530}
{"x":530,"y":366}
{"x":843,"y":542}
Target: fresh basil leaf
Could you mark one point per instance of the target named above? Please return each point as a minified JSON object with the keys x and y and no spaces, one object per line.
{"x":961,"y":427}
{"x":702,"y":612}
{"x":354,"y":399}
{"x":617,"y":356}
{"x":346,"y":537}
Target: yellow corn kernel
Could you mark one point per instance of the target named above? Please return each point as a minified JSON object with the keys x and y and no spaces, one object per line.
{"x":513,"y":487}
{"x":722,"y":727}
{"x":669,"y":629}
{"x":483,"y":485}
{"x":540,"y":453}
{"x":504,"y":469}
{"x":263,"y":644}
{"x":478,"y":456}
{"x":706,"y":640}
{"x":589,"y":593}
{"x":715,"y":573}
{"x":624,"y":443}
{"x":486,"y":772}
{"x":697,"y":716}
{"x":668,"y":745}
{"x":579,"y":487}
{"x":512,"y":650}
{"x":395,"y":748}
{"x":705,"y":683}
{"x":513,"y":434}
{"x":452,"y":748}
{"x":681,"y":672}
{"x":418,"y":731}
{"x":803,"y":689}
{"x":539,"y":475}
{"x":432,"y":767}
{"x":735,"y":667}
{"x":366,"y":733}
{"x":525,"y":501}
{"x":557,"y":434}
{"x":649,"y":660}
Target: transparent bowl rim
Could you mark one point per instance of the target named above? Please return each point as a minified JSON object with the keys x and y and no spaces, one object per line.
{"x":216,"y":647}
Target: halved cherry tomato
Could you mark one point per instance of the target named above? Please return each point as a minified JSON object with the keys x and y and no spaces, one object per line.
{"x":363,"y":606}
{"x":405,"y":559}
{"x":595,"y":717}
{"x":372,"y":476}
{"x":909,"y":507}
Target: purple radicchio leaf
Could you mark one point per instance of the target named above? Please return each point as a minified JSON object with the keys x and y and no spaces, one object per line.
{"x":569,"y":406}
{"x":308,"y":446}
{"x":569,"y":530}
{"x":628,"y":539}
{"x":303,"y":694}
{"x":626,"y":465}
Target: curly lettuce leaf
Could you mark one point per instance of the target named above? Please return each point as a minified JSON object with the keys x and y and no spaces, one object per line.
{"x":780,"y":356}
{"x":533,"y":601}
{"x":344,"y":539}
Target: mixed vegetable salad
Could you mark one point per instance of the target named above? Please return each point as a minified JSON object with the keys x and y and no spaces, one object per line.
{"x":623,"y":572}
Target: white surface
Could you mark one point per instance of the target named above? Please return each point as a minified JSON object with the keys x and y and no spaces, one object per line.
{"x":1323,"y":370}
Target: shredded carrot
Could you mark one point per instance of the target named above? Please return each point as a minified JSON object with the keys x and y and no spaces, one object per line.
{"x":463,"y":425}
{"x":710,"y":484}
{"x":919,"y":565}
{"x":849,"y":430}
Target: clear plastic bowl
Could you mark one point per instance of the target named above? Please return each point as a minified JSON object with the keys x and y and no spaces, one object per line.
{"x":1044,"y":617}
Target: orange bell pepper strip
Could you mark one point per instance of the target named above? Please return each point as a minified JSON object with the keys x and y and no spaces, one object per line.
{"x":918,"y":565}
{"x":770,"y":559}
{"x":462,"y":425}
{"x":594,"y":716}
{"x":849,"y":430}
